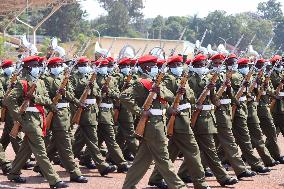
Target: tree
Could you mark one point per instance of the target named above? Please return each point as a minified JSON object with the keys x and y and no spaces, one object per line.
{"x":270,"y":10}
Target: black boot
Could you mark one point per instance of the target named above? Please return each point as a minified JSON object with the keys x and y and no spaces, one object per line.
{"x":109,"y":169}
{"x":229,"y":181}
{"x":246,"y":173}
{"x":123,"y":168}
{"x":18,"y":180}
{"x":79,"y":179}
{"x":262,"y":170}
{"x":161,"y":185}
{"x":59,"y":184}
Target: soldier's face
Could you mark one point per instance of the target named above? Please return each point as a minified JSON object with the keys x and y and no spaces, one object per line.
{"x":240,"y":66}
{"x":199,"y":64}
{"x":231,"y":61}
{"x":147,"y":66}
{"x":175,"y":65}
{"x":82,"y":64}
{"x":123,"y":66}
{"x":216,"y":63}
{"x":258,"y":65}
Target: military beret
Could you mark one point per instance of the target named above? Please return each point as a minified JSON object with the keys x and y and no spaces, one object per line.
{"x":102,"y":61}
{"x":124,"y":61}
{"x":7,"y":63}
{"x":188,"y":61}
{"x":199,"y":58}
{"x":83,"y":60}
{"x":218,"y":56}
{"x":41,"y":59}
{"x":55,"y":60}
{"x":232,"y":56}
{"x":147,"y":58}
{"x":160,"y":62}
{"x":243,"y":61}
{"x":275,"y":58}
{"x":30,"y":58}
{"x":110,"y":59}
{"x":174,"y":59}
{"x":262,"y":61}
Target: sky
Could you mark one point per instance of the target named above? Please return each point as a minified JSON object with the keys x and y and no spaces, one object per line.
{"x":167,"y":8}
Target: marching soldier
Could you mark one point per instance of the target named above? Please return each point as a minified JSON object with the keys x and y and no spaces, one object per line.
{"x":224,"y":136}
{"x":60,"y":123}
{"x":204,"y":128}
{"x":32,"y":123}
{"x":88,"y":122}
{"x":106,"y":132}
{"x":154,"y":143}
{"x":183,"y":139}
{"x":125,"y":136}
{"x":278,"y":109}
{"x":240,"y":127}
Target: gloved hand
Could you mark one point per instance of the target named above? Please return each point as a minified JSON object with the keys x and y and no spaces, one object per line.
{"x":181,"y":90}
{"x":173,"y":111}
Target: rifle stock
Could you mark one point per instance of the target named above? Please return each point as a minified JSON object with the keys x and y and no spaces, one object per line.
{"x":16,"y":127}
{"x":171,"y":123}
{"x":201,"y":99}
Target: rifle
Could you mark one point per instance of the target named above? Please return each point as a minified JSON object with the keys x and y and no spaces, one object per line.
{"x":266,"y":80}
{"x":277,"y":92}
{"x":171,"y":123}
{"x":201,"y":99}
{"x":241,"y":90}
{"x":148,"y":102}
{"x":223,"y":87}
{"x":10,"y":87}
{"x":17,"y":126}
{"x":57,"y":97}
{"x":259,"y":75}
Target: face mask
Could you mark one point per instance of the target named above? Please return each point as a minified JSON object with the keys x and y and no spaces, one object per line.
{"x":177,"y":71}
{"x":125,"y":71}
{"x":218,"y":69}
{"x":244,"y":71}
{"x":199,"y":71}
{"x":56,"y":71}
{"x":102,"y":70}
{"x":8,"y":71}
{"x":135,"y":69}
{"x":154,"y":71}
{"x":234,"y":67}
{"x":110,"y":70}
{"x":35,"y":72}
{"x":279,"y":69}
{"x":140,"y":69}
{"x":84,"y":69}
{"x":41,"y":69}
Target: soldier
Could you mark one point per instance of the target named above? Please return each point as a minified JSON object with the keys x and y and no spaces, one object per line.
{"x":240,"y":127}
{"x":9,"y":68}
{"x":32,"y":123}
{"x":183,"y":139}
{"x":125,"y":136}
{"x":106,"y":132}
{"x":154,"y":143}
{"x":278,"y":110}
{"x":4,"y":163}
{"x":224,"y":136}
{"x":60,"y":124}
{"x":88,"y":122}
{"x":205,"y":128}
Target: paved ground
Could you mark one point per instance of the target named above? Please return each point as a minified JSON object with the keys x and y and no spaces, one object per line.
{"x":273,"y":180}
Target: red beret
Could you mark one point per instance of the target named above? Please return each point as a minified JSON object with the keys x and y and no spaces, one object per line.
{"x":55,"y":60}
{"x":41,"y":59}
{"x":83,"y":60}
{"x":188,"y":61}
{"x":133,"y":61}
{"x":232,"y":56}
{"x":31,"y":58}
{"x":7,"y":63}
{"x":218,"y":56}
{"x":124,"y":61}
{"x":102,"y":61}
{"x":110,"y":59}
{"x":174,"y":59}
{"x":147,"y":58}
{"x":160,"y":62}
{"x":275,"y":58}
{"x":199,"y":58}
{"x":262,"y":61}
{"x":243,"y":61}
